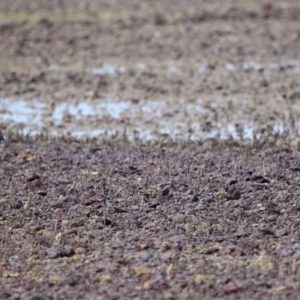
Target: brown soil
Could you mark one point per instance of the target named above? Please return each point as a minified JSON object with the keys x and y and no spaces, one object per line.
{"x":190,"y":51}
{"x":112,"y":220}
{"x":106,"y":218}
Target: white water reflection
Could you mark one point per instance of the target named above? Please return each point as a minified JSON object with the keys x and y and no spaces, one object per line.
{"x":109,"y":69}
{"x":20,"y":111}
{"x":175,"y":67}
{"x":144,"y":119}
{"x":141,"y":66}
{"x":203,"y":68}
{"x":258,"y":66}
{"x":172,"y":67}
{"x":229,"y":66}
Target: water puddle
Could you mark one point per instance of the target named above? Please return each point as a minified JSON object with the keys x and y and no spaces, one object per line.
{"x":141,"y":66}
{"x":295,"y":64}
{"x":20,"y":111}
{"x":203,"y":68}
{"x":85,"y":109}
{"x":230,"y":66}
{"x":175,"y":67}
{"x":145,"y":119}
{"x":109,"y":69}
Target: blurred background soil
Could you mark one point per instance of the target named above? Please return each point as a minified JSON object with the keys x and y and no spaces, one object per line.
{"x":234,"y":62}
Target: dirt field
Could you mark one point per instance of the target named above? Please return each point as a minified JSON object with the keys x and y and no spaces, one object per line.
{"x":235,"y":65}
{"x":151,"y":149}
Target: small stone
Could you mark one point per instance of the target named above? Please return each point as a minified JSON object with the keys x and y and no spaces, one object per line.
{"x":42,"y":193}
{"x":60,"y":251}
{"x":1,"y":138}
{"x":281,"y":232}
{"x":165,"y":191}
{"x":230,"y":288}
{"x":17,"y":204}
{"x":73,"y":230}
{"x":31,"y":177}
{"x":231,"y":181}
{"x":16,"y":296}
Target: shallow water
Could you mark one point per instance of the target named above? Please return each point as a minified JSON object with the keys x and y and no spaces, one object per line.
{"x":145,"y":119}
{"x":108,"y":69}
{"x":238,"y":115}
{"x":175,"y":67}
{"x":20,"y":111}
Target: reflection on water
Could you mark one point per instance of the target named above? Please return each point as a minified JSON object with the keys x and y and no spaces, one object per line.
{"x":20,"y":111}
{"x":175,"y":67}
{"x":203,"y":68}
{"x":230,"y":67}
{"x":109,"y":69}
{"x":82,"y":109}
{"x":145,"y":119}
{"x":257,"y":66}
{"x":141,"y":66}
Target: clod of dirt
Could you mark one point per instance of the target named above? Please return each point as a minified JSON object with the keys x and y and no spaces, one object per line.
{"x":60,"y":251}
{"x":31,"y":177}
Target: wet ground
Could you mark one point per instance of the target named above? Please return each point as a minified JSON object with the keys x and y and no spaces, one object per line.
{"x":151,"y":149}
{"x":199,"y":71}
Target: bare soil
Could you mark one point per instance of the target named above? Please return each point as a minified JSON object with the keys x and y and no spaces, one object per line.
{"x":109,"y":218}
{"x":243,"y":57}
{"x":112,"y":220}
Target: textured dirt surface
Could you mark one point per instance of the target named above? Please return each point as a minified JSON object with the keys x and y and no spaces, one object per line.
{"x":120,"y":217}
{"x":88,"y":220}
{"x":240,"y":61}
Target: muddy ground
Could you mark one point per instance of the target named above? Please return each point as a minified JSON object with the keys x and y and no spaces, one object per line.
{"x":238,"y":61}
{"x":184,"y":181}
{"x":113,"y":220}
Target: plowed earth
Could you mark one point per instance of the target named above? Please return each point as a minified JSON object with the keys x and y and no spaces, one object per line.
{"x":106,"y":218}
{"x":238,"y":61}
{"x":88,"y":220}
